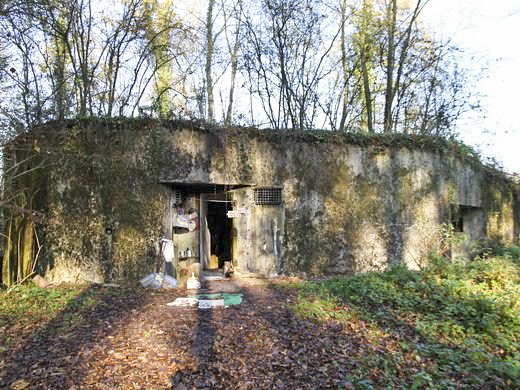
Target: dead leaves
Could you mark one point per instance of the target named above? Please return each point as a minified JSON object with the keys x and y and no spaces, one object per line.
{"x":133,"y":340}
{"x":19,"y":384}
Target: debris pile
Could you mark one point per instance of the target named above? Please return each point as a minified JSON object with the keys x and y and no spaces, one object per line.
{"x":208,"y":301}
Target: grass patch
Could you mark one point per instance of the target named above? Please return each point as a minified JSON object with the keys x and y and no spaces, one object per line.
{"x":31,"y":303}
{"x":451,"y":325}
{"x":27,"y":310}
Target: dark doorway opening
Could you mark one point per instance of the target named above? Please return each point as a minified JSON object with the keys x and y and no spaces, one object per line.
{"x":220,"y":227}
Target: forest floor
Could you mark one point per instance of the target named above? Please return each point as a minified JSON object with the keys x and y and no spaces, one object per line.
{"x":128,"y":338}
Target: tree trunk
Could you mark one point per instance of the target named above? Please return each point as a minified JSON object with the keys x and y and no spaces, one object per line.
{"x":367,"y":94}
{"x":364,"y":58}
{"x":344,"y":65}
{"x":390,"y":61}
{"x":209,"y":60}
{"x":234,"y":67}
{"x":27,"y":247}
{"x":8,"y":265}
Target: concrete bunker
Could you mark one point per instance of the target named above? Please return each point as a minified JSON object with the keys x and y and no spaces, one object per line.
{"x":277,"y":202}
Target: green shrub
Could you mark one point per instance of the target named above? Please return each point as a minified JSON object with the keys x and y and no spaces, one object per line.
{"x":467,"y":313}
{"x":514,"y":251}
{"x":511,"y":252}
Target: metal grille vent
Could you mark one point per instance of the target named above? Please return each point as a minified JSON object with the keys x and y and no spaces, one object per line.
{"x":176,"y":197}
{"x":268,"y":196}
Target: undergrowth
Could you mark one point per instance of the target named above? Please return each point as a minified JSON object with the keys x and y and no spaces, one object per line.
{"x":31,"y":302}
{"x":460,"y":320}
{"x":27,"y":309}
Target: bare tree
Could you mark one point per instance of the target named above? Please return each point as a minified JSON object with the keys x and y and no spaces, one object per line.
{"x":233,"y":50}
{"x":404,"y":41}
{"x":288,"y":57}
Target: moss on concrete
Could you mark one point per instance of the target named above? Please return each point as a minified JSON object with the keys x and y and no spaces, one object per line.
{"x":352,"y":203}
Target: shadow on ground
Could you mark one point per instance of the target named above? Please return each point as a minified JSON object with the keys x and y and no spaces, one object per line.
{"x":130,"y":339}
{"x":53,"y":355}
{"x":262,"y":344}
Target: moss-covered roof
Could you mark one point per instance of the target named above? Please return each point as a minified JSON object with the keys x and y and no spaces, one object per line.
{"x":446,"y":147}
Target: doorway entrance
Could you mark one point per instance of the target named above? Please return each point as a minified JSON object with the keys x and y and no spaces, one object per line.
{"x":220,"y":228}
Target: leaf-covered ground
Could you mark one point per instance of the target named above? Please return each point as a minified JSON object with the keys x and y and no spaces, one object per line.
{"x":282,"y":336}
{"x":108,"y":338}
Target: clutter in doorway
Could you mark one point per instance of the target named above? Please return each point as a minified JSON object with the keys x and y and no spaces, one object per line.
{"x":168,"y":252}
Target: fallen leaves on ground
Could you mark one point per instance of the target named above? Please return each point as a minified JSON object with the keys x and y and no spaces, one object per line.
{"x":130,"y":339}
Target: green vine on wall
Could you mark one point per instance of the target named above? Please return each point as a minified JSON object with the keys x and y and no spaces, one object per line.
{"x":20,"y":203}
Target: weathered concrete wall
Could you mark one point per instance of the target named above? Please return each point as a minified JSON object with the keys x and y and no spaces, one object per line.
{"x":349,"y":204}
{"x":101,"y":178}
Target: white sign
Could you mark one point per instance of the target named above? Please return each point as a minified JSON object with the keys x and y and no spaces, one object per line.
{"x":237,"y":212}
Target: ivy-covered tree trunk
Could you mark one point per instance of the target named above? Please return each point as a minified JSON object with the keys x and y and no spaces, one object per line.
{"x":209,"y":61}
{"x":27,"y":253}
{"x":8,"y":264}
{"x":22,"y":185}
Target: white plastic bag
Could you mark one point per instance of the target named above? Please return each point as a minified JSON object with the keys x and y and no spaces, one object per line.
{"x":153,"y":280}
{"x":167,"y":249}
{"x":169,"y":281}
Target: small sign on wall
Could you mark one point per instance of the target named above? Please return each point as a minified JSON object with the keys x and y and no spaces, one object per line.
{"x":237,"y":212}
{"x":181,"y":221}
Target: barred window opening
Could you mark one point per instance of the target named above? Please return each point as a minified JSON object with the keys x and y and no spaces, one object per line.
{"x":268,"y":196}
{"x":176,"y":197}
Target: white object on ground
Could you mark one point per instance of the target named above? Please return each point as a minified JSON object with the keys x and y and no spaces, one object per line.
{"x":183,"y":302}
{"x":169,"y":281}
{"x":193,"y":283}
{"x":210,"y":303}
{"x":154,"y":280}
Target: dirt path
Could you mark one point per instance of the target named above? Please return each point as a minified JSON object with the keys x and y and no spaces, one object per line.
{"x":133,"y":340}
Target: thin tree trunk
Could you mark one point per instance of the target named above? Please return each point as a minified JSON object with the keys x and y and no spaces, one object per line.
{"x":344,"y":65}
{"x":390,"y":63}
{"x":7,"y":264}
{"x":19,"y":249}
{"x":367,"y":92}
{"x":234,"y":68}
{"x":209,"y":60}
{"x":364,"y":69}
{"x":59,"y":71}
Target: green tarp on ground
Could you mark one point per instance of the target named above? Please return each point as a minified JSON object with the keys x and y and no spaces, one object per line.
{"x":229,"y":299}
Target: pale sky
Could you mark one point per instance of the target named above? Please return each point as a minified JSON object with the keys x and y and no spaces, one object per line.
{"x":489,"y":32}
